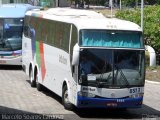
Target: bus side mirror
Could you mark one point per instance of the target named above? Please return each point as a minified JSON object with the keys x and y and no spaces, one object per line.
{"x":75,"y":58}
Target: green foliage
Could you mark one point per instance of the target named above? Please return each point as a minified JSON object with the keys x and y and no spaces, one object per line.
{"x":151,"y":23}
{"x":132,"y":3}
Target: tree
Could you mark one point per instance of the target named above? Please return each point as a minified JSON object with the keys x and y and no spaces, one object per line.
{"x":87,"y":3}
{"x":151,"y":2}
{"x":151,"y":23}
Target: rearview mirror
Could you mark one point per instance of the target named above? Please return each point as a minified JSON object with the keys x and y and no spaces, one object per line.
{"x":75,"y":58}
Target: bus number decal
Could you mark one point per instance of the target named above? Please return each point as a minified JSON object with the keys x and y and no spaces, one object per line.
{"x":135,"y":90}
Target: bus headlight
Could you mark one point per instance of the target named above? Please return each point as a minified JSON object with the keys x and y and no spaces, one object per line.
{"x":136,"y":95}
{"x":86,"y":94}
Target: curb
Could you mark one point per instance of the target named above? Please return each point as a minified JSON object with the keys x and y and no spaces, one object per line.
{"x":152,"y":82}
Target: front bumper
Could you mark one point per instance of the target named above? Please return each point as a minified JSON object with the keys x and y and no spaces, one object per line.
{"x":85,"y":102}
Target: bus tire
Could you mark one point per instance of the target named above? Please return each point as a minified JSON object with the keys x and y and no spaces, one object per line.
{"x":31,"y":78}
{"x":65,"y":100}
{"x":38,"y":85}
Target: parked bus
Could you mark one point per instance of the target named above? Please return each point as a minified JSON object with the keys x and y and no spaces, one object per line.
{"x":11,"y":27}
{"x":56,"y":42}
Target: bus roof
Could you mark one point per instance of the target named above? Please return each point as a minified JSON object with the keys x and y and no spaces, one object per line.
{"x":85,"y":19}
{"x":14,"y":10}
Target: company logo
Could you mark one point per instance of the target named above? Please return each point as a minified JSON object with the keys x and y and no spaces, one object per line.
{"x":113,"y":95}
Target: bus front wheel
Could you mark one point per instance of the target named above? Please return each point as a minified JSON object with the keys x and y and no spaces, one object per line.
{"x":65,"y":99}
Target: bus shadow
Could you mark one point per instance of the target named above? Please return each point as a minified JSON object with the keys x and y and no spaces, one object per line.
{"x":10,"y":67}
{"x":144,"y":112}
{"x":49,"y":93}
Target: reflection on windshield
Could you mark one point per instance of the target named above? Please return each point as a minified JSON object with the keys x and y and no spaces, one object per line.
{"x":11,"y":34}
{"x":111,"y":67}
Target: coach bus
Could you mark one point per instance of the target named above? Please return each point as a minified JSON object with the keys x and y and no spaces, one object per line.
{"x":11,"y":26}
{"x":56,"y":42}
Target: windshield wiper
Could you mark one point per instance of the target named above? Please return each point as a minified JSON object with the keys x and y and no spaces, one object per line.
{"x":122,"y":74}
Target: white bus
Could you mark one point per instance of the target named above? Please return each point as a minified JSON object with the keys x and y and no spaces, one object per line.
{"x":56,"y":41}
{"x":11,"y":26}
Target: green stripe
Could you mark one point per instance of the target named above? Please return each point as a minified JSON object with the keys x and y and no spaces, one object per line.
{"x":38,"y":54}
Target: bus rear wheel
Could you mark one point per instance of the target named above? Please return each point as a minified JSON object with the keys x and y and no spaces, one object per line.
{"x":38,"y":85}
{"x":65,"y":99}
{"x":32,"y":81}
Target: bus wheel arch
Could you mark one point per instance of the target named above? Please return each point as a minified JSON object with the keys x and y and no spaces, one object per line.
{"x":65,"y":97}
{"x":31,"y":76}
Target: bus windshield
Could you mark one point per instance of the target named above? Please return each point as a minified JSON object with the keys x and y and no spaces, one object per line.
{"x":110,"y":38}
{"x":110,"y":67}
{"x":11,"y":34}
